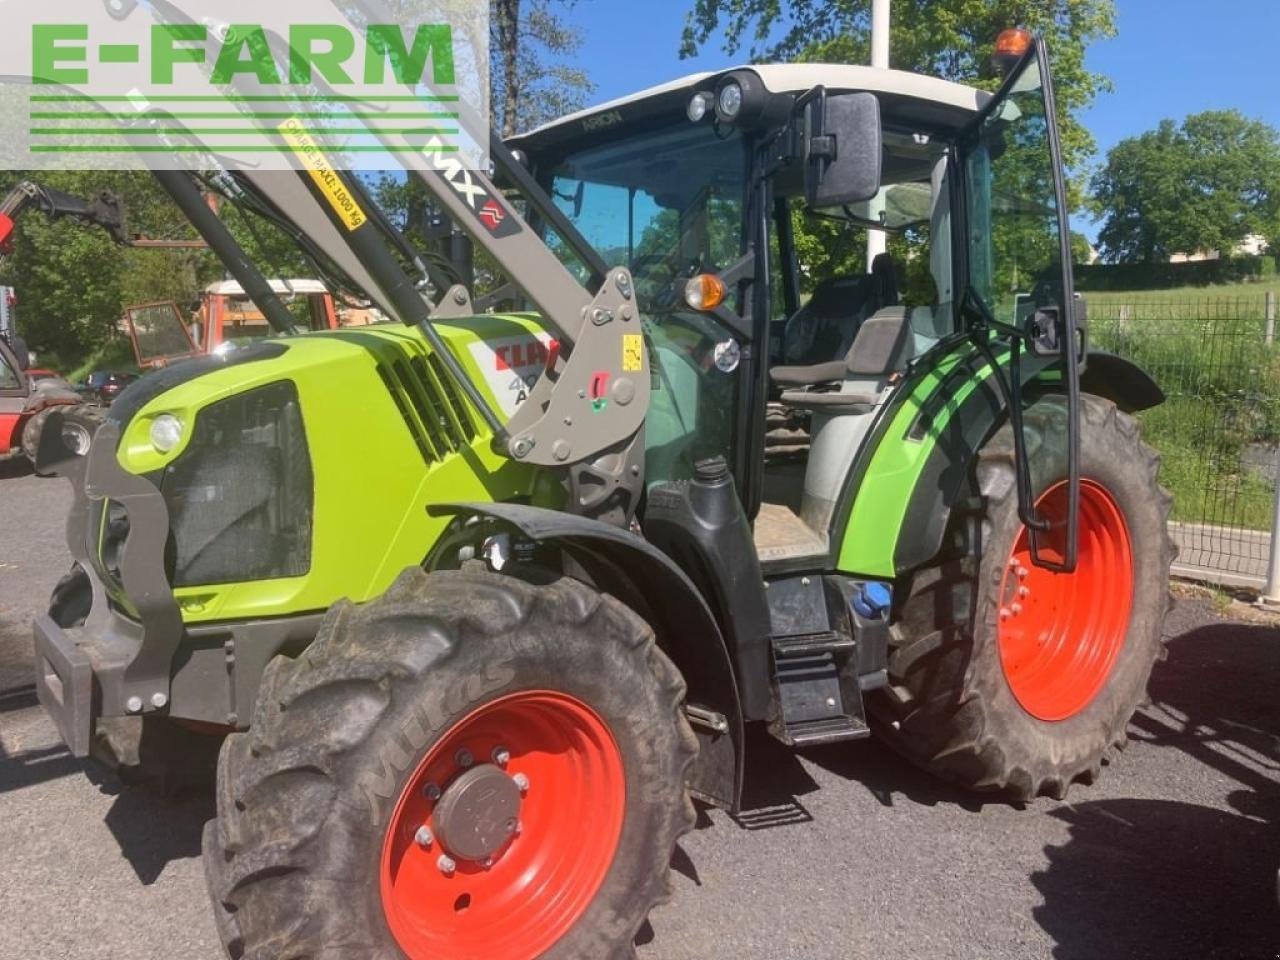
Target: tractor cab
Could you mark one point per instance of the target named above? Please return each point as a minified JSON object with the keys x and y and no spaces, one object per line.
{"x":740,"y":202}
{"x":223,"y":318}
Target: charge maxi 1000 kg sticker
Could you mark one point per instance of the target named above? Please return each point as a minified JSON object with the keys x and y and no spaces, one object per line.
{"x":322,"y":173}
{"x":511,"y":366}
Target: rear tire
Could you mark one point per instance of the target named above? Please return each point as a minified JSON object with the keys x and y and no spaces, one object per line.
{"x":956,"y":704}
{"x":313,"y":852}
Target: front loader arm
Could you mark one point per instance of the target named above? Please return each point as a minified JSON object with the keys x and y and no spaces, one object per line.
{"x":106,"y":211}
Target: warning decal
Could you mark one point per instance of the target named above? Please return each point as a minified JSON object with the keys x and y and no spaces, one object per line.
{"x":322,"y":172}
{"x":632,"y":352}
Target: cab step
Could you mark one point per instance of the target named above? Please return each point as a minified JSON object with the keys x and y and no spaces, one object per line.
{"x":817,"y":690}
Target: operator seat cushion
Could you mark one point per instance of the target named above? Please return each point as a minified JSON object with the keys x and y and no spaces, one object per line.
{"x":824,"y":328}
{"x":883,"y":346}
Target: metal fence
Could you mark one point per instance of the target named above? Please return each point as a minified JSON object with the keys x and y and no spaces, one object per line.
{"x":1219,"y":430}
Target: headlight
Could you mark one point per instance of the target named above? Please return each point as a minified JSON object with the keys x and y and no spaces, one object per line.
{"x":241,"y":493}
{"x":76,"y":439}
{"x":166,"y":432}
{"x":729,"y":103}
{"x":699,"y":106}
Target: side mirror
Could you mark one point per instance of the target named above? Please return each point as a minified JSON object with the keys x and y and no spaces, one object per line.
{"x":843,"y":149}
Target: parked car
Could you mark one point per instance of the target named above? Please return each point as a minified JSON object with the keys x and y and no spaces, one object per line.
{"x":103,"y":386}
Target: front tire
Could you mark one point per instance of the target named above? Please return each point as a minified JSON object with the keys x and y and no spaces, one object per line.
{"x":396,"y":719}
{"x":1005,"y":677}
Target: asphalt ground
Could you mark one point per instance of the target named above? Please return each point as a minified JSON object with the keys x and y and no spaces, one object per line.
{"x":846,"y":852}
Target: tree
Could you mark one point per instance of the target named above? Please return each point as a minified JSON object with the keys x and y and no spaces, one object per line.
{"x":530,"y":80}
{"x":73,"y":282}
{"x":952,"y":39}
{"x":1206,"y":184}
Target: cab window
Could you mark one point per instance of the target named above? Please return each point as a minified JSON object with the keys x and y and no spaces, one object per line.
{"x":8,"y":375}
{"x":1014,"y":239}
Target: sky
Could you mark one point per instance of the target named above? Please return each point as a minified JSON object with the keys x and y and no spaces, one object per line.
{"x":1171,"y":58}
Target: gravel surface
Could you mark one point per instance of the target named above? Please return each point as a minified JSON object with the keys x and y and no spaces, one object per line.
{"x":843,"y":853}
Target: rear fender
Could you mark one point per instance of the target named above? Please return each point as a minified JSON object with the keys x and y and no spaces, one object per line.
{"x":637,"y":573}
{"x":942,"y":423}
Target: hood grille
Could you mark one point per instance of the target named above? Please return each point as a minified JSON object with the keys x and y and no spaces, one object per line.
{"x":430,"y":404}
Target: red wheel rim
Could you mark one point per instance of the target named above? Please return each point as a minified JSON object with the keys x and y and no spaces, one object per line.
{"x":1060,"y":633}
{"x":543,"y":878}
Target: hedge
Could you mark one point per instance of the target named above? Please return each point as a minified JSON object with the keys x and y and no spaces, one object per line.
{"x":1165,"y":276}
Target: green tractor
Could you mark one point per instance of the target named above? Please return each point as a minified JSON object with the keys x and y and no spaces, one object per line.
{"x":482,"y":601}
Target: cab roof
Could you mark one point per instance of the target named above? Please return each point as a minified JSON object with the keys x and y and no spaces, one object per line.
{"x":906,"y":98}
{"x":230,"y":288}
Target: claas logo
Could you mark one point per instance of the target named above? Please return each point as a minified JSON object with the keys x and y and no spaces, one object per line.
{"x":522,"y":355}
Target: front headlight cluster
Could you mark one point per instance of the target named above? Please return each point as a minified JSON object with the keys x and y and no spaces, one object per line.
{"x":241,"y":492}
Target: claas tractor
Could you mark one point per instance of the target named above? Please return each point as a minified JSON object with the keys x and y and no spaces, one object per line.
{"x":483,"y":601}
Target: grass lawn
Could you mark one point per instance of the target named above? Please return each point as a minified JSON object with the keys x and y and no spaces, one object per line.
{"x":1184,"y":296}
{"x":1206,"y":348}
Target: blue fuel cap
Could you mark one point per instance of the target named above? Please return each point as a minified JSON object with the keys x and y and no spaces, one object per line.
{"x":873,"y":600}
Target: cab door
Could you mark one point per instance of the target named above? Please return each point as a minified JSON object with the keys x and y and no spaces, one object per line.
{"x":1018,"y":297}
{"x":159,"y":334}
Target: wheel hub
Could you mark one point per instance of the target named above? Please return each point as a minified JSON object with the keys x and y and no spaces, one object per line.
{"x":498,"y":860}
{"x":1060,"y":634}
{"x":478,"y":813}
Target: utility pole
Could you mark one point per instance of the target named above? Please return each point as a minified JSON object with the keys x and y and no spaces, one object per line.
{"x":877,"y":240}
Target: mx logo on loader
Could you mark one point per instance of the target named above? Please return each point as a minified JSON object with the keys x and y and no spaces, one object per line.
{"x":487,"y":208}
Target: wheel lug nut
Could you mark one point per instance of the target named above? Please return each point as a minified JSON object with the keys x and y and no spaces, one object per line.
{"x":424,"y":837}
{"x":488,"y":862}
{"x":1022,"y":573}
{"x":463,"y":758}
{"x":1004,"y":613}
{"x":431,"y":792}
{"x":522,"y":782}
{"x":517,"y":829}
{"x":447,"y":865}
{"x":1015,"y":608}
{"x":501,"y":756}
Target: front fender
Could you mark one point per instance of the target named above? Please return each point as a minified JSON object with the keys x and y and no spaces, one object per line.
{"x":637,"y":573}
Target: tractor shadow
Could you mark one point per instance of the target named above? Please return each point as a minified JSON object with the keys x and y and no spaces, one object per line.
{"x":1173,"y":879}
{"x":13,"y":467}
{"x":155,"y":826}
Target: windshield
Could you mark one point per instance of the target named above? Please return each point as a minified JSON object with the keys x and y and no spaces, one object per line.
{"x":243,"y":320}
{"x":667,"y":204}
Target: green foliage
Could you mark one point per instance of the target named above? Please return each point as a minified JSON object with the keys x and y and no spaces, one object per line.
{"x":1222,"y":383}
{"x":531,"y":75}
{"x":1166,"y":276}
{"x":73,"y":281}
{"x":1206,"y":184}
{"x":952,"y":39}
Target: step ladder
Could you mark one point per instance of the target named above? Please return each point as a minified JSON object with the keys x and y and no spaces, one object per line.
{"x":818,"y":690}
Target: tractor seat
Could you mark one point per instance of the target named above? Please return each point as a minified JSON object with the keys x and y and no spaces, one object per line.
{"x":823,"y":330}
{"x":825,"y":326}
{"x":882,"y":347}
